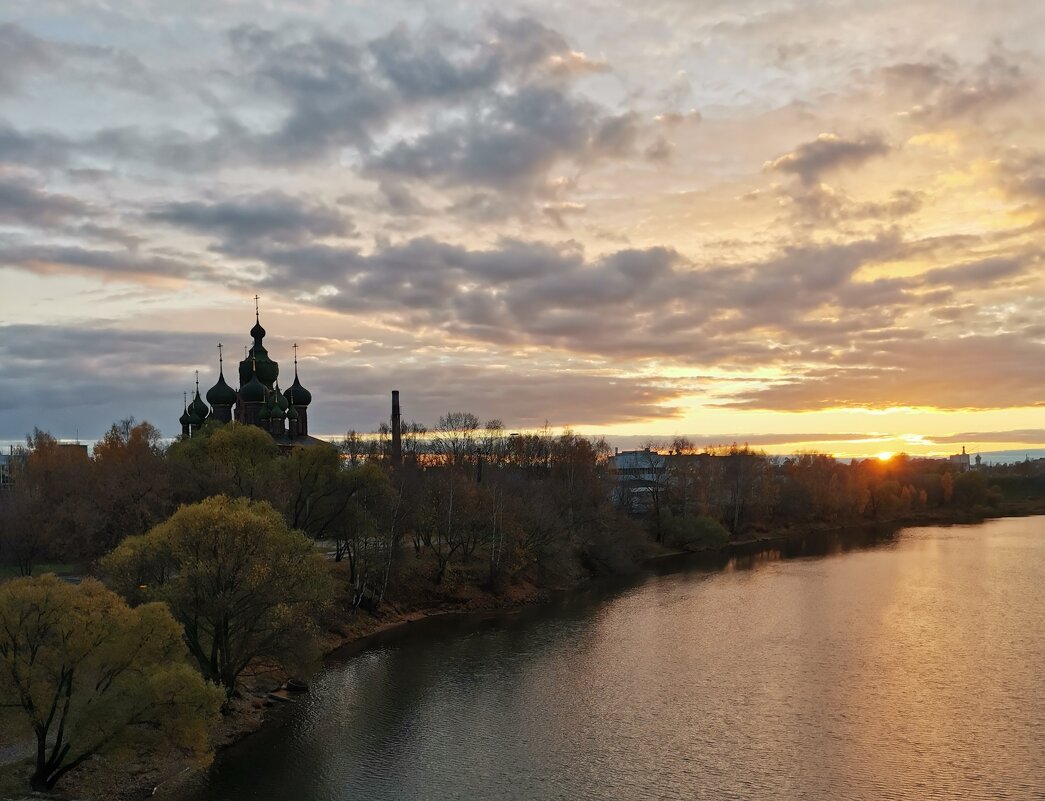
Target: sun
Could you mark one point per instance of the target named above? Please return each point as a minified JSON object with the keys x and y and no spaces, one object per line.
{"x":885,"y":456}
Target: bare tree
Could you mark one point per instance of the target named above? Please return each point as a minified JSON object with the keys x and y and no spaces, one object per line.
{"x":455,"y":437}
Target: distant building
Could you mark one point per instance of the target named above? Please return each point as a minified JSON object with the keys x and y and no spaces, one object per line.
{"x":258,"y":401}
{"x":9,"y":461}
{"x":6,"y":466}
{"x":961,"y":461}
{"x":640,"y":474}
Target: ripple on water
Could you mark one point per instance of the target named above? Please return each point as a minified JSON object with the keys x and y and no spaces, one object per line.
{"x":906,"y":672}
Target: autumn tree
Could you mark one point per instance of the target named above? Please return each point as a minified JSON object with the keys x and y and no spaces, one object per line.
{"x":233,"y":459}
{"x":50,"y":512}
{"x":655,"y":470}
{"x":317,"y":491}
{"x":89,"y":673}
{"x":361,"y":532}
{"x":242,"y":584}
{"x":445,"y":515}
{"x":744,"y":485}
{"x":130,"y":485}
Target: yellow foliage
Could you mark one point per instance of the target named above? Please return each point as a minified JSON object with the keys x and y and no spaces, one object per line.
{"x":90,"y":673}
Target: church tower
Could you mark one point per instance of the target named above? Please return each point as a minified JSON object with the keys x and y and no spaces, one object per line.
{"x":258,"y":401}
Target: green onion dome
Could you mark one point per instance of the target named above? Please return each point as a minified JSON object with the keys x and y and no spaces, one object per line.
{"x":281,"y":400}
{"x":198,"y":407}
{"x":265,"y":414}
{"x":193,"y":418}
{"x":221,"y":394}
{"x":185,"y":419}
{"x":301,"y":396}
{"x":292,"y":413}
{"x":253,"y":391}
{"x":258,"y":363}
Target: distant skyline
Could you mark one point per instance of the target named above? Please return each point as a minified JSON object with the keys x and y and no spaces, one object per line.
{"x":805,"y":225}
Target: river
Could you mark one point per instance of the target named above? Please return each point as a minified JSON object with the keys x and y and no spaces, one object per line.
{"x":907,"y":668}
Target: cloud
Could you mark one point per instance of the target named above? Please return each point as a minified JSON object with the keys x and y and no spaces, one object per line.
{"x":970,"y":372}
{"x":755,"y":440}
{"x":270,"y":215}
{"x":980,"y":273}
{"x":341,"y":93}
{"x":40,"y":148}
{"x":943,"y":91}
{"x":23,"y":202}
{"x":116,"y":372}
{"x":106,"y":265}
{"x":827,"y":153}
{"x":532,"y":293}
{"x":511,"y":143}
{"x":522,"y":396}
{"x":822,"y":205}
{"x":1025,"y":436}
{"x":1022,"y":175}
{"x":21,"y":54}
{"x":660,"y":150}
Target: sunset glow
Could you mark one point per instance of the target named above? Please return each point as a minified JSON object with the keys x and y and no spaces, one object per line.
{"x":731,"y":223}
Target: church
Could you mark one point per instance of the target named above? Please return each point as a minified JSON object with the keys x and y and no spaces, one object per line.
{"x":258,"y":401}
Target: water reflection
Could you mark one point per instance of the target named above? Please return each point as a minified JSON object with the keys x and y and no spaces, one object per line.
{"x":907,"y":668}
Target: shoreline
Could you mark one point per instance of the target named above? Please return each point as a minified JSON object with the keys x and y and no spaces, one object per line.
{"x":363,"y":632}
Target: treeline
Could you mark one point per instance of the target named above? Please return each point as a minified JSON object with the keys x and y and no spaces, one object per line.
{"x":682,"y":491}
{"x":219,"y":561}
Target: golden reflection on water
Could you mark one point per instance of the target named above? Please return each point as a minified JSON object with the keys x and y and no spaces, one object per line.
{"x":911,"y":670}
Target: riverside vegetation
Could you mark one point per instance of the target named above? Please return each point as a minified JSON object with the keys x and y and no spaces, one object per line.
{"x":218,"y":567}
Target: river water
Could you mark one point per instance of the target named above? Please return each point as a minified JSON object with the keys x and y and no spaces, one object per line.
{"x":908,"y":668}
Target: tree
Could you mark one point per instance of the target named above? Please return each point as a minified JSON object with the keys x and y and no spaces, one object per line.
{"x":745,"y":485}
{"x":244,"y":586}
{"x":317,"y":490}
{"x":456,"y":436}
{"x":367,"y":495}
{"x":655,"y":472}
{"x":131,"y":486}
{"x":444,"y":516}
{"x":232,"y":459}
{"x":88,"y":672}
{"x":970,"y":489}
{"x":50,"y":513}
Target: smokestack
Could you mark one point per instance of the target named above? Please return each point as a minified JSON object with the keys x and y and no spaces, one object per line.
{"x":397,"y":429}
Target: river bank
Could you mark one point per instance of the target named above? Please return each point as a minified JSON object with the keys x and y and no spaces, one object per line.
{"x":780,"y":677}
{"x":162,"y":775}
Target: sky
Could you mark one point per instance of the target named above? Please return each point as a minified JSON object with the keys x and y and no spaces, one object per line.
{"x":801,"y":224}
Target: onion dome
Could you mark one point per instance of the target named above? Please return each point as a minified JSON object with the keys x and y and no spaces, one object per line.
{"x":292,"y":413}
{"x":193,"y":418}
{"x":302,"y":397}
{"x":253,"y":391}
{"x":280,"y":400}
{"x":198,"y":407}
{"x":265,"y":413}
{"x":184,"y":419}
{"x":258,"y":363}
{"x":257,"y":360}
{"x":221,"y":394}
